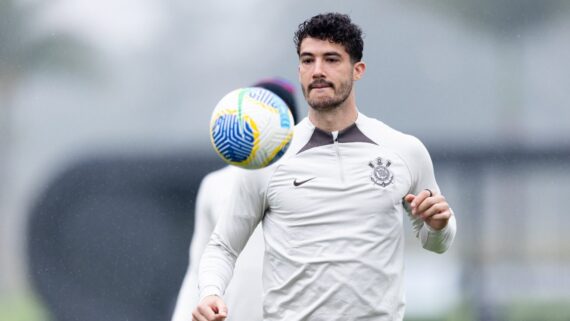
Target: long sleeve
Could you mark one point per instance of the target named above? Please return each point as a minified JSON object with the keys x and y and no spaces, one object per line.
{"x":433,"y":240}
{"x":204,"y":223}
{"x":423,"y":177}
{"x":233,"y":229}
{"x":438,"y":241}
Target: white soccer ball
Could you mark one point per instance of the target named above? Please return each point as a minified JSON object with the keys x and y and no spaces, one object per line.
{"x":251,"y":127}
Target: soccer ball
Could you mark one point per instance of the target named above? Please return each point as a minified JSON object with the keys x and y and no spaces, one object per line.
{"x":251,"y":127}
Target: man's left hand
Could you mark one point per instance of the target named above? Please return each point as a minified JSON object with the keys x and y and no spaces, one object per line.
{"x":431,"y":208}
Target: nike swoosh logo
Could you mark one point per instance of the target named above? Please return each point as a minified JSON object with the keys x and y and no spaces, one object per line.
{"x":298,"y":183}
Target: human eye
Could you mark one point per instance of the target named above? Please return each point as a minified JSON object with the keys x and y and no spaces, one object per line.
{"x":306,"y":60}
{"x":332,"y":59}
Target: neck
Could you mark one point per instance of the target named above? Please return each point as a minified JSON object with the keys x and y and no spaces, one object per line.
{"x":335,"y":119}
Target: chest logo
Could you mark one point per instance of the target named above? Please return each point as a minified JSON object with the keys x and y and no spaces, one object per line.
{"x":299,"y":183}
{"x":381,"y":174}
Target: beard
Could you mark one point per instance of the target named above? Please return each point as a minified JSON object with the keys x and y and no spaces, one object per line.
{"x":328,"y":103}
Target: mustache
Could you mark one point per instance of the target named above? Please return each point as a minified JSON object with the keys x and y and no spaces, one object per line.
{"x":320,"y":83}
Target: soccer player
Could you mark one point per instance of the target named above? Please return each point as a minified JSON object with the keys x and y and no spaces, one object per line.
{"x":332,"y":208}
{"x":244,"y":294}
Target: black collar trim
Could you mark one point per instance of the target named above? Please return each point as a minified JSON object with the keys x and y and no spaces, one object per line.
{"x":351,"y":134}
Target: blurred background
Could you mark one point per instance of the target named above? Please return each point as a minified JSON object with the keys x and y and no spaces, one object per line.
{"x":104,"y":112}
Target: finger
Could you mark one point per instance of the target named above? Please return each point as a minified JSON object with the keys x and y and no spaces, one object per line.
{"x":429,"y":202}
{"x":197,"y":316}
{"x":434,"y":209}
{"x":439,"y":221}
{"x":409,"y":198}
{"x":445,"y":215}
{"x":219,"y":317}
{"x":422,"y":196}
{"x":424,"y":205}
{"x":206,"y":311}
{"x":222,"y":311}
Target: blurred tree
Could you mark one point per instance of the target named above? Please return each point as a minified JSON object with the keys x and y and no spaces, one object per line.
{"x":502,"y":17}
{"x":505,"y":22}
{"x":26,"y":49}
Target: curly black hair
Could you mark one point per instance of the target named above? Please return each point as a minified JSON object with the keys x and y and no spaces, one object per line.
{"x":334,"y":27}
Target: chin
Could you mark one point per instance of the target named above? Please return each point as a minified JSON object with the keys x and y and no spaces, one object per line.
{"x":322,"y":104}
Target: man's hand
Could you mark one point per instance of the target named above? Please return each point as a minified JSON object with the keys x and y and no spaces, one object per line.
{"x":431,"y":208}
{"x":211,"y":308}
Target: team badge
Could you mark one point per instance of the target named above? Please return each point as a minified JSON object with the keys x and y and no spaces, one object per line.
{"x":381,"y":174}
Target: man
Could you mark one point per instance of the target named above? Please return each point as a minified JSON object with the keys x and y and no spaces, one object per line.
{"x":244,"y":294}
{"x":332,"y":208}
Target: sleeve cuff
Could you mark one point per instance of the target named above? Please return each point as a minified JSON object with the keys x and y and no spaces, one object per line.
{"x":209,"y":290}
{"x":438,"y":240}
{"x":431,"y":230}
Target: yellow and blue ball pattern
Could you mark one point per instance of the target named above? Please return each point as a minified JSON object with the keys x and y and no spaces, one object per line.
{"x":251,"y":128}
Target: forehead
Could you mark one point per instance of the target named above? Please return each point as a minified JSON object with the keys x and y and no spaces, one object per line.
{"x":313,"y":46}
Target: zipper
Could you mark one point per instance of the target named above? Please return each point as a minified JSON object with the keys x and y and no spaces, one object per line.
{"x":338,"y":156}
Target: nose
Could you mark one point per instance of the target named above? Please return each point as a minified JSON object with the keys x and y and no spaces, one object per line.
{"x":318,"y":71}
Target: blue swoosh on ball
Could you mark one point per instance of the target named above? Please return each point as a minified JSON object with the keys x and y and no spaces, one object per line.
{"x":233,"y":141}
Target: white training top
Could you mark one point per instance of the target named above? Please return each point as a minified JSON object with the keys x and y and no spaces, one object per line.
{"x":244,"y":295}
{"x":332,"y":212}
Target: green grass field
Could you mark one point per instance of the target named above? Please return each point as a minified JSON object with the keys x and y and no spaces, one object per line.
{"x":25,"y":307}
{"x":21,"y":307}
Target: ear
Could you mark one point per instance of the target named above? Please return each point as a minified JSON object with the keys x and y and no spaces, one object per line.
{"x":359,"y":69}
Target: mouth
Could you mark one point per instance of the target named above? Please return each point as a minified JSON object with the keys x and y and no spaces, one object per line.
{"x":319,"y":84}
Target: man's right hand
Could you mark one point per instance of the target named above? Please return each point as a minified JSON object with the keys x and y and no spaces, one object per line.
{"x":211,"y":308}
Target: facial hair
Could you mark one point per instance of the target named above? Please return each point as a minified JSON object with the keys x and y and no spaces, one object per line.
{"x":328,"y":103}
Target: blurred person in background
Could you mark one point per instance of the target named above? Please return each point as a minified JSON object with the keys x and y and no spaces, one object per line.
{"x":332,"y":207}
{"x":244,"y":295}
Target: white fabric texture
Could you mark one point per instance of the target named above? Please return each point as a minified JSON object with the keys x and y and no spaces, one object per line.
{"x":332,"y":214}
{"x":244,"y":293}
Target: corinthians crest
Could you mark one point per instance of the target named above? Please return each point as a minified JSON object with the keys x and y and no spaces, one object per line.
{"x":381,"y":174}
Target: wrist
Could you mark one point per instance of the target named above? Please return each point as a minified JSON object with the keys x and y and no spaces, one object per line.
{"x":209,"y":291}
{"x":439,"y":225}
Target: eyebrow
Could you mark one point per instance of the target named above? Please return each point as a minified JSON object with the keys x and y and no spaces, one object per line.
{"x":328,"y":53}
